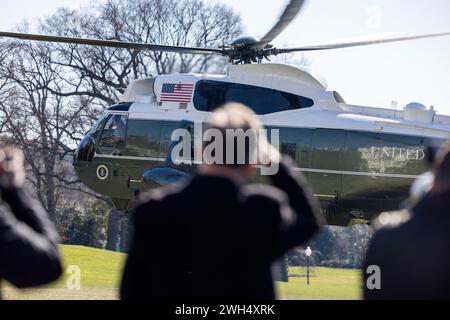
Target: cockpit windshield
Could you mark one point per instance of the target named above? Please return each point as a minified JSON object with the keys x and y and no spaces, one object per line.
{"x":98,"y":123}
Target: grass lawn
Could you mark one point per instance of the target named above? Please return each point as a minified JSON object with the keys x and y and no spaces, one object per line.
{"x":101,"y":271}
{"x":100,"y":276}
{"x":325,"y":284}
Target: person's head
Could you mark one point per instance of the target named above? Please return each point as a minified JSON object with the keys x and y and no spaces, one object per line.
{"x":234,"y":143}
{"x":442,"y":168}
{"x":117,"y":121}
{"x":12,"y":171}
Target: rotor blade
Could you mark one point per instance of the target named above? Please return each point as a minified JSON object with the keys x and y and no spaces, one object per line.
{"x":291,"y":11}
{"x":109,"y":43}
{"x":349,"y":44}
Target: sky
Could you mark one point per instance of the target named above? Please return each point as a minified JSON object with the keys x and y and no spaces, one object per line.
{"x":371,"y":76}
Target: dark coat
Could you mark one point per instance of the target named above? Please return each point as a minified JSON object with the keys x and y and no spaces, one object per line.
{"x":211,"y":238}
{"x":28,"y":241}
{"x":413,"y":252}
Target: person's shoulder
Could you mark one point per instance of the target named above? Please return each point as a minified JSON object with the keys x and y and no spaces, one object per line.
{"x":263,"y":192}
{"x":158,"y":194}
{"x":391,"y":220}
{"x":5,"y":218}
{"x":390,"y":227}
{"x":267,"y":201}
{"x":152,"y":200}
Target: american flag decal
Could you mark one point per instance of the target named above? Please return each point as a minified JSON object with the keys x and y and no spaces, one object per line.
{"x":177,"y":92}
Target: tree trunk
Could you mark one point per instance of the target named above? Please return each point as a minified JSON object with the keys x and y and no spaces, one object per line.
{"x":125,"y":233}
{"x":113,"y":238}
{"x":51,"y":201}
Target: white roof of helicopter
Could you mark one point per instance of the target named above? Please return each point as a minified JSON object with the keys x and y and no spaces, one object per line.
{"x":276,"y":71}
{"x":328,"y":111}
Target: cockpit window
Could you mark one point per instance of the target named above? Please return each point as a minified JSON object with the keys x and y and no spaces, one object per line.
{"x":98,"y":124}
{"x":114,"y":131}
{"x":212,"y":94}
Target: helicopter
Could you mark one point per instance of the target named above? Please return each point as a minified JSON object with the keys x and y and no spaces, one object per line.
{"x":359,"y":160}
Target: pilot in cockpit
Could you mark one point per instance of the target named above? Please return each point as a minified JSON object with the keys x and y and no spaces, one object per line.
{"x":115,"y":131}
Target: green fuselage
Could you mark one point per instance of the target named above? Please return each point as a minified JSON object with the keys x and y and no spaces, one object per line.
{"x":354,"y":174}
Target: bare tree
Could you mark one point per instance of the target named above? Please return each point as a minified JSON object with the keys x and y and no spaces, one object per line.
{"x":43,"y":125}
{"x":50,"y":94}
{"x":103,"y":73}
{"x":3,"y":82}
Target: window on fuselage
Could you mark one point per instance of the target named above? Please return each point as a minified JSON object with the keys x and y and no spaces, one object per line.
{"x":212,"y":94}
{"x":166,"y":134}
{"x":149,"y":138}
{"x":361,"y":152}
{"x":290,"y":149}
{"x":143,"y":138}
{"x":327,"y":146}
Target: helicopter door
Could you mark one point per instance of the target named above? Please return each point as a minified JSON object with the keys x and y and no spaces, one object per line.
{"x":327,"y":146}
{"x":186,"y":163}
{"x":111,"y":144}
{"x":112,"y":138}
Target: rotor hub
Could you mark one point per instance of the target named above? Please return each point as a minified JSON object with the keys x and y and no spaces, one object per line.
{"x":244,"y":41}
{"x":244,"y":50}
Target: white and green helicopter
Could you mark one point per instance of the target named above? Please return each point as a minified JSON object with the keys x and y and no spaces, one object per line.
{"x":360,"y":160}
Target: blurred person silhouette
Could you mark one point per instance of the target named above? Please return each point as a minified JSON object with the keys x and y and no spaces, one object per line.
{"x":215,"y":235}
{"x":411,"y":247}
{"x":28,"y":240}
{"x":424,"y":182}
